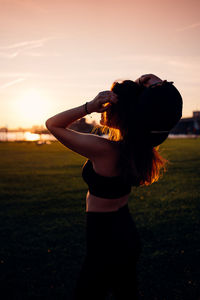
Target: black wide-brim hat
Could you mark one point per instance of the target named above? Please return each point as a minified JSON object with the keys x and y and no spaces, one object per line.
{"x":159,"y":110}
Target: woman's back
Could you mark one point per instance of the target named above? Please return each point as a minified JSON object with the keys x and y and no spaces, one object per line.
{"x":107,"y":164}
{"x":107,"y":191}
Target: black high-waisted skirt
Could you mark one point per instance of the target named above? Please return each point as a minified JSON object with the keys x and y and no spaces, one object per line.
{"x":113,"y":247}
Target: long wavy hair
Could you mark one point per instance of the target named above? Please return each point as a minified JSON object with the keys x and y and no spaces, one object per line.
{"x":140,"y":162}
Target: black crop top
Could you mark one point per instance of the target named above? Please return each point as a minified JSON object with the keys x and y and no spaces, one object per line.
{"x":104,"y":186}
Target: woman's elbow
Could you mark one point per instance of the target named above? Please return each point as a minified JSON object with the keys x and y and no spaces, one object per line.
{"x":48,"y":123}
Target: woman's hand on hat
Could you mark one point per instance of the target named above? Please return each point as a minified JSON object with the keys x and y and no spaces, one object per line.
{"x":102,"y":101}
{"x":148,"y":79}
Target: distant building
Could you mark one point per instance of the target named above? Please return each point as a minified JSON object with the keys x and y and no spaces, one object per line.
{"x":188,"y":125}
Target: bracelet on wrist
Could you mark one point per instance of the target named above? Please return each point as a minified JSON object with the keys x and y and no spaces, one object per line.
{"x":86,"y":109}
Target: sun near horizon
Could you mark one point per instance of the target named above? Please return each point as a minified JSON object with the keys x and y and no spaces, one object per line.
{"x":56,"y":55}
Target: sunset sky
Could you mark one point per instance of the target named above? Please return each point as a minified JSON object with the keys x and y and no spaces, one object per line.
{"x":55,"y":55}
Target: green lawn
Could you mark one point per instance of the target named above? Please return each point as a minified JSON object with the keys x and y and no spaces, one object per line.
{"x":42,"y":222}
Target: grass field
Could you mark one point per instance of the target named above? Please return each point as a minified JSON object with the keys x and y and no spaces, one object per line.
{"x":42,"y":223}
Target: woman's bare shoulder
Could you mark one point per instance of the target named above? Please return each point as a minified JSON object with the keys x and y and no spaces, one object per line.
{"x":113,"y":147}
{"x":107,"y":164}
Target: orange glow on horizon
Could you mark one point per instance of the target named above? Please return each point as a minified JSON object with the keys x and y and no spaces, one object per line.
{"x":76,"y":49}
{"x":28,"y":136}
{"x":31,"y":105}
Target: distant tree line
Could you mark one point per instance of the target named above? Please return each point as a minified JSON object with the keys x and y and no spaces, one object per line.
{"x":79,"y":125}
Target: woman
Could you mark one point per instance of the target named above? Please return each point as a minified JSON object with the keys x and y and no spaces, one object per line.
{"x":138,"y":116}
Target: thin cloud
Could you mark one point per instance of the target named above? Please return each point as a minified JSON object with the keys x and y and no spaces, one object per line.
{"x":23,"y":47}
{"x":33,"y":43}
{"x":195,"y":25}
{"x":39,"y":54}
{"x":11,"y":83}
{"x":7,"y":55}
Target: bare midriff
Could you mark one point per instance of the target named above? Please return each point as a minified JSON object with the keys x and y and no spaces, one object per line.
{"x":98,"y":204}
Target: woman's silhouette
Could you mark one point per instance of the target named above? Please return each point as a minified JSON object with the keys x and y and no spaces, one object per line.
{"x":138,"y":116}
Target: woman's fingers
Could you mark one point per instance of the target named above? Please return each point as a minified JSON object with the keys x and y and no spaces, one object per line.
{"x":143,"y":79}
{"x":147,"y":79}
{"x":103,"y":100}
{"x":108,"y":96}
{"x":104,"y":108}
